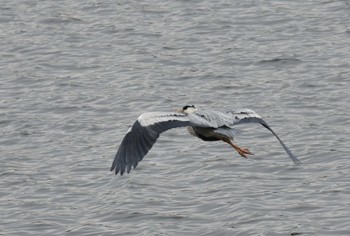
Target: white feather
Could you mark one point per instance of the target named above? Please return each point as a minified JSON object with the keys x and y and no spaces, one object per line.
{"x":151,"y":118}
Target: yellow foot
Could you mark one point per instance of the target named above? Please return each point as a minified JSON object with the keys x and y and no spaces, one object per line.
{"x":243,"y":152}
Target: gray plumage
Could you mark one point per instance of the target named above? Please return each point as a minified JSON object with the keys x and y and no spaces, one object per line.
{"x":204,"y":124}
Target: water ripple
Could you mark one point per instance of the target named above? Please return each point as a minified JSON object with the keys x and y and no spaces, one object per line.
{"x":75,"y":76}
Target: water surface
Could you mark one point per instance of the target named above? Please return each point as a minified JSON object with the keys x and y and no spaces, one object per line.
{"x":75,"y":75}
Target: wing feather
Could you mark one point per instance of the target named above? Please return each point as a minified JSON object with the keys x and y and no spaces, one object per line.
{"x":221,"y":121}
{"x":146,"y":130}
{"x":141,"y":137}
{"x":246,"y":116}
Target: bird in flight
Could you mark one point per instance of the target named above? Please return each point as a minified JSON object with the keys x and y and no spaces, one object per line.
{"x":207,"y":125}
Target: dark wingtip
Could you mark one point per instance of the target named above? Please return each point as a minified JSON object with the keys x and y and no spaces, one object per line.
{"x":297,"y":162}
{"x":122,"y":171}
{"x":114,"y":170}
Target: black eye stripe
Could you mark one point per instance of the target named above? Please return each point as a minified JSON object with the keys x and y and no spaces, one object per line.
{"x":187,"y":106}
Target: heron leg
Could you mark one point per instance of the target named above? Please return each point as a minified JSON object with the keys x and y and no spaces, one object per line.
{"x":241,"y":151}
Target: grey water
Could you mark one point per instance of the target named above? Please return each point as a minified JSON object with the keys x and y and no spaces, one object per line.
{"x":74,"y":75}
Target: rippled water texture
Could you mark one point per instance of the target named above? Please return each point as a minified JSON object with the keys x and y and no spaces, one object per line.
{"x":74,"y":75}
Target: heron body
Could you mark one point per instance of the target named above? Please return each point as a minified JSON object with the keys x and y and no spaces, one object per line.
{"x":205,"y":124}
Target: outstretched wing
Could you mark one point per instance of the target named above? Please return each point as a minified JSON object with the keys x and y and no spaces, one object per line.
{"x":145,"y":131}
{"x":142,"y":135}
{"x":248,"y":116}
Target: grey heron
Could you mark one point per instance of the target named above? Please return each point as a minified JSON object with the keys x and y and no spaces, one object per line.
{"x":205,"y":124}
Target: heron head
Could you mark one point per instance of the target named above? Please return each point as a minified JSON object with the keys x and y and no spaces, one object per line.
{"x":188,"y":109}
